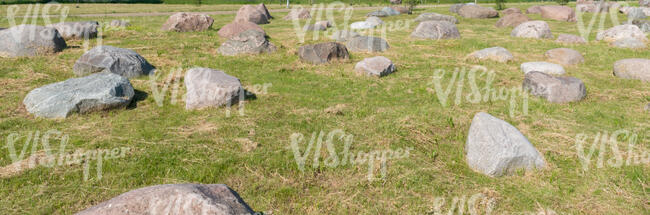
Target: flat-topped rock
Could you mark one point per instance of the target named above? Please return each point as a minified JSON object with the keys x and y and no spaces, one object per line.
{"x":436,"y":17}
{"x":77,"y":30}
{"x":374,"y":20}
{"x":375,"y":66}
{"x":254,"y":14}
{"x":633,"y":68}
{"x":564,"y":56}
{"x":570,"y":39}
{"x":511,"y":20}
{"x":545,"y":67}
{"x":211,"y":88}
{"x":477,"y":12}
{"x":186,"y":22}
{"x":95,"y":92}
{"x":554,"y":89}
{"x":560,"y":13}
{"x":234,"y":28}
{"x":370,"y":22}
{"x":323,"y":52}
{"x":343,"y":35}
{"x":247,"y":42}
{"x":436,"y":30}
{"x":532,"y":29}
{"x":178,"y":199}
{"x":298,"y":13}
{"x":621,"y":31}
{"x":367,"y":44}
{"x":496,"y":148}
{"x":124,"y":62}
{"x":30,"y":40}
{"x":498,"y":54}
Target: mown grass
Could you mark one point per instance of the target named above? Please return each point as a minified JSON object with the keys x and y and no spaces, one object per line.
{"x":252,"y":154}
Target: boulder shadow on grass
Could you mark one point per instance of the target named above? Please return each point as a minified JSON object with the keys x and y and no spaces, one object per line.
{"x":137,"y":97}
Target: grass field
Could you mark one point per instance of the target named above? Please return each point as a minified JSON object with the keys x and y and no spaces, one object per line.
{"x":251,"y":153}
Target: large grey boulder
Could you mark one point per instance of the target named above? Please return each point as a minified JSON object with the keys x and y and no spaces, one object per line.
{"x":186,"y":22}
{"x":498,"y":54}
{"x":323,"y":52}
{"x":511,"y":20}
{"x":247,"y":42}
{"x":210,"y":88}
{"x":554,"y":89}
{"x":436,"y":17}
{"x":532,"y":29}
{"x":629,"y":43}
{"x":254,"y":14}
{"x":496,"y":148}
{"x":124,"y":62}
{"x":30,"y":40}
{"x":95,"y":92}
{"x":343,"y":35}
{"x":77,"y":30}
{"x":367,"y":44}
{"x":620,"y":32}
{"x":234,"y":28}
{"x":564,"y":56}
{"x":178,"y":199}
{"x":633,"y":68}
{"x":477,"y":12}
{"x":436,"y":30}
{"x":570,"y":39}
{"x":545,"y":67}
{"x":375,"y":66}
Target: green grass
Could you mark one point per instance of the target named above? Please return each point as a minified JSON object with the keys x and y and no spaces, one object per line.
{"x":172,"y":145}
